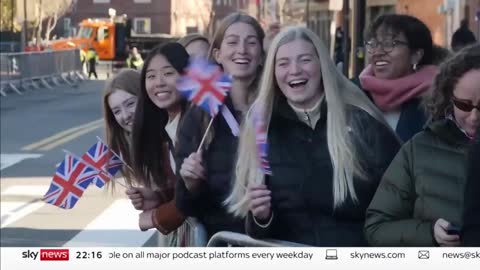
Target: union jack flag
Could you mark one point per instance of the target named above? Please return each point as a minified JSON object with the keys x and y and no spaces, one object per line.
{"x":205,"y":85}
{"x":261,"y":140}
{"x":69,"y":182}
{"x":104,"y":160}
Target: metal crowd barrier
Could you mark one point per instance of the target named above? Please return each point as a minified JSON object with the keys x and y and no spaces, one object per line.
{"x":191,"y":234}
{"x":22,"y":71}
{"x":226,"y":239}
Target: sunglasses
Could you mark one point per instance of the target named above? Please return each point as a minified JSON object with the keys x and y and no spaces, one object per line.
{"x":465,"y":106}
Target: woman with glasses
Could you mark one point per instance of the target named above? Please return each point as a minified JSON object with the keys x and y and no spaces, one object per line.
{"x":400,"y":53}
{"x":420,"y":199}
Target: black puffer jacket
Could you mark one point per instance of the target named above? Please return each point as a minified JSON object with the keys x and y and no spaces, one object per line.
{"x":207,"y":202}
{"x":302,"y":186}
{"x":471,"y":217}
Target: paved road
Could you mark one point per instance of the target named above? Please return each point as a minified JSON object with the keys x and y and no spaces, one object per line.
{"x":35,"y":128}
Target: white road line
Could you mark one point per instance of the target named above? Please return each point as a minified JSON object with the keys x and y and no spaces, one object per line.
{"x":26,"y":190}
{"x":117,"y":226}
{"x":7,"y":160}
{"x":15,"y":210}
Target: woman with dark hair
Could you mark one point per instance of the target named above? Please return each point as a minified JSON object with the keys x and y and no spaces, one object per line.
{"x":420,"y":199}
{"x":471,"y":215}
{"x":119,"y":104}
{"x":400,"y":52}
{"x":160,"y":108}
{"x":205,"y":177}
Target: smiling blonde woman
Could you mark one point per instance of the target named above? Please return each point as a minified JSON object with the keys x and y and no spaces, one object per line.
{"x":328,"y":148}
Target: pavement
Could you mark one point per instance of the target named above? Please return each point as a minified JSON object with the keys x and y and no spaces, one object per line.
{"x":34,"y":129}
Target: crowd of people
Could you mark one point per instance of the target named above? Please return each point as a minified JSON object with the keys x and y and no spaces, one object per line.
{"x":391,"y":158}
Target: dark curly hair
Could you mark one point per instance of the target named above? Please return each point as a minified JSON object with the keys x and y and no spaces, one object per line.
{"x":438,"y":103}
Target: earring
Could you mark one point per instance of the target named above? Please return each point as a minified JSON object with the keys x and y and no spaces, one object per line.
{"x":415,"y":67}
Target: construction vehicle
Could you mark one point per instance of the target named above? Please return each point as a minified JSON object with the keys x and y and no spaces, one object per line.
{"x":111,"y":38}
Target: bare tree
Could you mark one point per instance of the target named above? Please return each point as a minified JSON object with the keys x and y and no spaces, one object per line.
{"x":53,"y":9}
{"x":43,"y":16}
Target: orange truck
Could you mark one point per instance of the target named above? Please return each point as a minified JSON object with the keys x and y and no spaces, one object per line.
{"x":111,"y":39}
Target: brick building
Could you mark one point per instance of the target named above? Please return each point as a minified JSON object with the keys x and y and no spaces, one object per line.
{"x":173,"y":17}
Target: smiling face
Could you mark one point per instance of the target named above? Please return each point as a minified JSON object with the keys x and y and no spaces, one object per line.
{"x":396,"y":61}
{"x":467,"y":90}
{"x":160,"y":83}
{"x":123,"y":105}
{"x":298,"y":74}
{"x":240,"y":52}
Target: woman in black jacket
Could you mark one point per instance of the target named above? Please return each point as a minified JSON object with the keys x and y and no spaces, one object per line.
{"x":328,"y":147}
{"x":471,"y":217}
{"x":206,"y":176}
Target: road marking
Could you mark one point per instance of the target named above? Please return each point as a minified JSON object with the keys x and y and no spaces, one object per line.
{"x":55,"y":137}
{"x":15,"y":210}
{"x":69,"y":137}
{"x":117,"y":226}
{"x":7,"y":160}
{"x":26,"y":190}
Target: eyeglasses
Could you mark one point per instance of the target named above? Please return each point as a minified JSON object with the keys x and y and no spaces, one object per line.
{"x":465,"y":106}
{"x":387,"y":45}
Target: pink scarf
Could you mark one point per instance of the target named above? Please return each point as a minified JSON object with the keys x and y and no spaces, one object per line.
{"x":389,"y":95}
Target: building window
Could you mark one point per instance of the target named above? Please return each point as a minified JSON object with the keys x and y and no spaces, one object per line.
{"x":141,"y":25}
{"x":101,"y":1}
{"x":142,"y":1}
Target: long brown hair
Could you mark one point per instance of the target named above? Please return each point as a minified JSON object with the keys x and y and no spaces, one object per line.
{"x":218,"y":37}
{"x":117,"y":138}
{"x":237,"y":17}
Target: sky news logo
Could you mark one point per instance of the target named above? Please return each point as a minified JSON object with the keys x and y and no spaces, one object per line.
{"x":47,"y":254}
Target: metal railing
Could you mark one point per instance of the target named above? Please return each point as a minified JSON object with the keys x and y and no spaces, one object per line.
{"x":22,"y":71}
{"x":225,"y":239}
{"x":191,"y":234}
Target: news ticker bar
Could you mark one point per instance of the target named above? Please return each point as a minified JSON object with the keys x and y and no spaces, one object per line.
{"x":238,"y":258}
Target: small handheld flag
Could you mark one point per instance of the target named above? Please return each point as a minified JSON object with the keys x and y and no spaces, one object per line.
{"x":104,"y":160}
{"x":261,"y":140}
{"x":205,"y":85}
{"x":69,"y":182}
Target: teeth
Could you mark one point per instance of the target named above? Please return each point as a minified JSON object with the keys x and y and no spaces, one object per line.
{"x":298,"y":81}
{"x":241,"y":61}
{"x":381,"y":63}
{"x":162,"y":94}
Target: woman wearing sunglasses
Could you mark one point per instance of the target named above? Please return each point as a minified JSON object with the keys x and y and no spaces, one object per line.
{"x":420,"y":199}
{"x":400,"y":52}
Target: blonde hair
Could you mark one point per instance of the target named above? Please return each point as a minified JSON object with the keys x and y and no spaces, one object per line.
{"x":117,"y":138}
{"x":339,"y":92}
